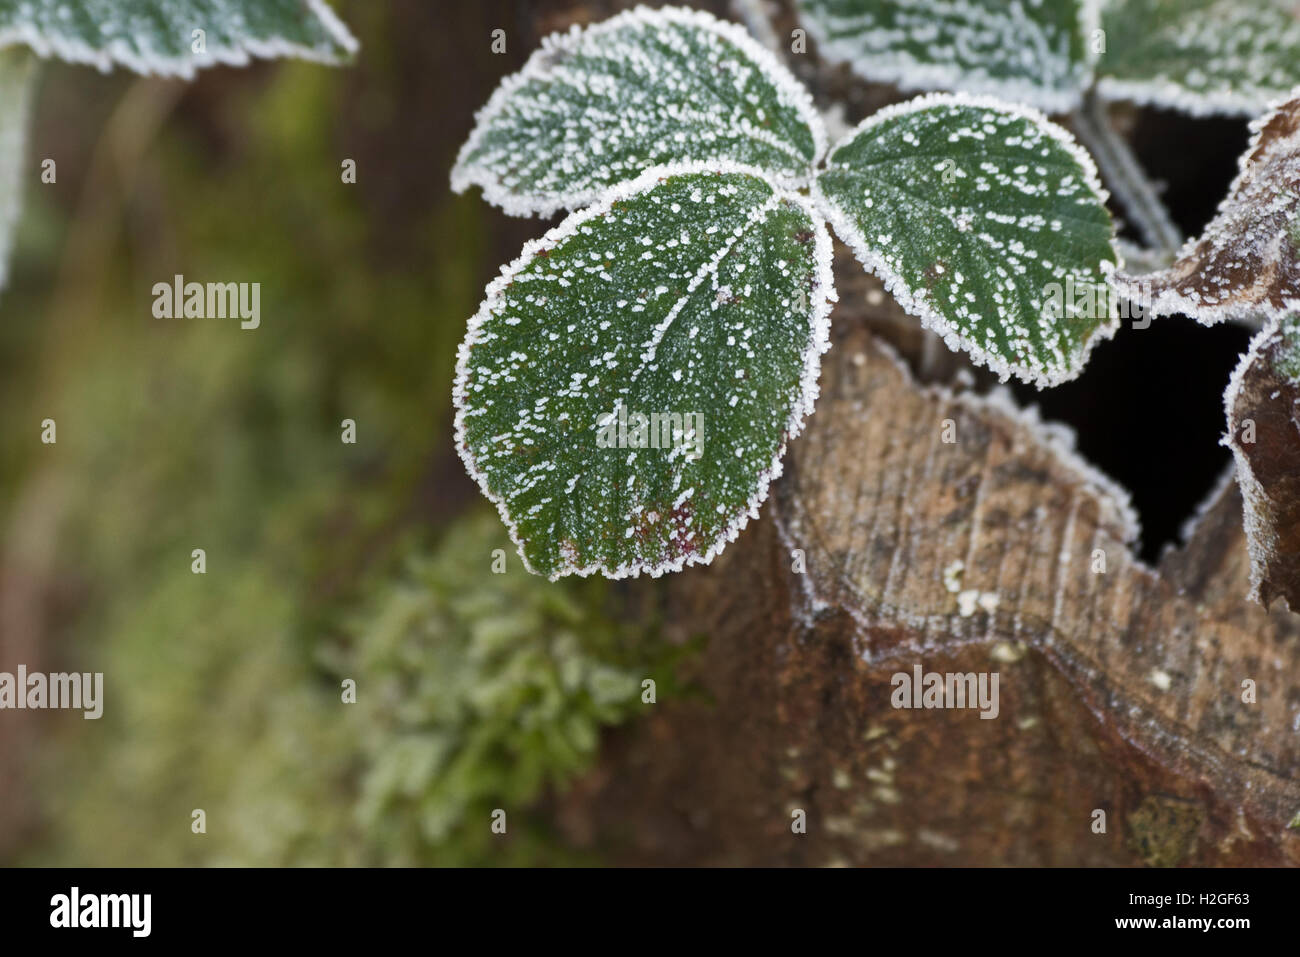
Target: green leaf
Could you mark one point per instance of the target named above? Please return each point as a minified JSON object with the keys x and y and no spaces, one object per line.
{"x":1032,"y":51}
{"x":17,"y":69}
{"x":690,"y":292}
{"x":1200,"y":56}
{"x":596,"y":107}
{"x":988,"y":222}
{"x":157,"y":36}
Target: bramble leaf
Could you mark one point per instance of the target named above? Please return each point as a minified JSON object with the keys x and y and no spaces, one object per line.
{"x":1200,"y":56}
{"x":1245,"y":263}
{"x":158,"y":36}
{"x":597,"y":107}
{"x":1264,"y":435}
{"x":16,"y":71}
{"x":688,"y":292}
{"x":985,"y":220}
{"x":1032,"y":51}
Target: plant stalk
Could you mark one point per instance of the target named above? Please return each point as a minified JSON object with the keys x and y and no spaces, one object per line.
{"x":1125,"y":177}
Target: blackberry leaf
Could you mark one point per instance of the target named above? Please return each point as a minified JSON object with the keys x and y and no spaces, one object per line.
{"x":690,"y":292}
{"x":985,"y":220}
{"x":596,"y":107}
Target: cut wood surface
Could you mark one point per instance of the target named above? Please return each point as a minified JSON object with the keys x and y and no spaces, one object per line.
{"x":1121,"y":690}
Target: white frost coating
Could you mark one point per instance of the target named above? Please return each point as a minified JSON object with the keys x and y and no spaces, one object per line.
{"x":1116,"y":510}
{"x":17,"y":69}
{"x":1225,"y":57}
{"x":873,"y":261}
{"x":882,"y":58}
{"x":540,"y":66}
{"x":1230,"y":270}
{"x":1261,"y":537}
{"x":1138,"y":257}
{"x":1188,"y":529}
{"x":127,"y":45}
{"x":822,"y":298}
{"x":1165,"y":94}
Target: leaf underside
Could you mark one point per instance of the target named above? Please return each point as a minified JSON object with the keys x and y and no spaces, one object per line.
{"x":16,"y":72}
{"x":987,"y":222}
{"x":597,"y":107}
{"x":157,"y":36}
{"x":1264,"y":435}
{"x":1030,"y":52}
{"x":685,"y":292}
{"x":1245,"y":262}
{"x":1201,"y":56}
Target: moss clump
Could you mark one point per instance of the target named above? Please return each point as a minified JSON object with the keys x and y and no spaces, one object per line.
{"x":477,"y":691}
{"x":474,"y":691}
{"x":1163,"y":830}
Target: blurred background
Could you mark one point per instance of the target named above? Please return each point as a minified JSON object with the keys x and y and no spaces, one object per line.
{"x":370,"y":561}
{"x":325,"y":561}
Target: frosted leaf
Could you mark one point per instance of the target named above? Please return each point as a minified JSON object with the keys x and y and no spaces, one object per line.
{"x":988,"y":222}
{"x":16,"y":72}
{"x":684,"y":293}
{"x":597,"y":107}
{"x":1032,"y":51}
{"x":1263,"y":406}
{"x":1245,"y":261}
{"x":157,"y":36}
{"x":1200,"y":56}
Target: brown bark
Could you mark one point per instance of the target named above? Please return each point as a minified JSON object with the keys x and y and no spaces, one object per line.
{"x":1120,"y":690}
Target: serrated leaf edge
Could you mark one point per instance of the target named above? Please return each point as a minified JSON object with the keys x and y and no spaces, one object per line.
{"x":823,"y":296}
{"x":1164,"y":93}
{"x":104,"y":58}
{"x":914,"y":75}
{"x":896,"y":286}
{"x":789,"y":89}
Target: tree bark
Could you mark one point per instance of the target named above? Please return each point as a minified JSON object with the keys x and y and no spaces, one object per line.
{"x":1121,"y":686}
{"x":1146,"y":715}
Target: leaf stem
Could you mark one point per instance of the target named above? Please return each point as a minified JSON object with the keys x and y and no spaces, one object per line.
{"x":758,"y":22}
{"x":1125,"y":177}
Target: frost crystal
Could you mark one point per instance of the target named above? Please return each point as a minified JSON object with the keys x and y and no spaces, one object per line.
{"x":626,"y":390}
{"x":1245,"y":263}
{"x":688,"y":292}
{"x":1262,"y":403}
{"x":16,"y":72}
{"x":985,"y":220}
{"x":1200,"y":56}
{"x":157,"y":36}
{"x":1032,"y":51}
{"x":596,"y":107}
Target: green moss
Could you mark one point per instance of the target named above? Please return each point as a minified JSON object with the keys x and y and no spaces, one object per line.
{"x":478,"y":691}
{"x":474,"y":691}
{"x":1163,"y":830}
